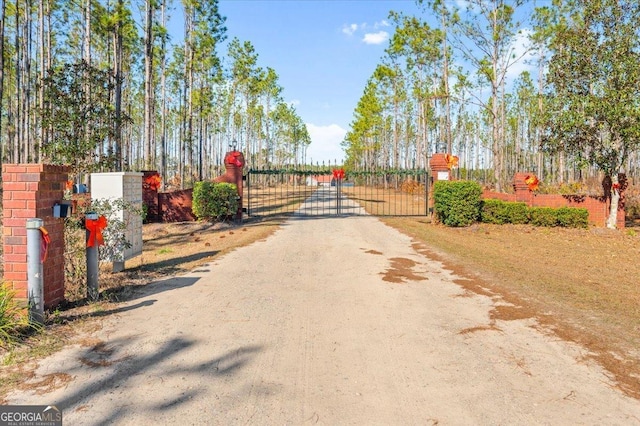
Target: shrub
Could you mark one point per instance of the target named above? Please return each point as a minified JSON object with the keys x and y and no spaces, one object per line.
{"x":572,"y":217}
{"x":214,"y":201}
{"x":543,"y":216}
{"x":500,"y":212}
{"x":517,"y":213}
{"x":457,"y":203}
{"x":75,"y":265}
{"x":491,"y":212}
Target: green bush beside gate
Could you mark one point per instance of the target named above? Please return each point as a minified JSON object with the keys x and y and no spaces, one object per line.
{"x":457,"y":203}
{"x":214,"y":201}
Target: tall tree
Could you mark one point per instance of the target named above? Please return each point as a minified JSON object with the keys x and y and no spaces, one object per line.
{"x":592,"y":104}
{"x":3,"y":10}
{"x":149,"y":100}
{"x":487,"y":36}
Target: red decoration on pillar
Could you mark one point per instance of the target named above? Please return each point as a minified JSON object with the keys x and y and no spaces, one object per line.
{"x":95,"y":228}
{"x":452,"y":161}
{"x":233,"y":163}
{"x":532,"y":182}
{"x":153,"y":182}
{"x":44,"y":244}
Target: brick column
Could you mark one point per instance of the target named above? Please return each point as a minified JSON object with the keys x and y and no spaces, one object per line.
{"x":150,"y":196}
{"x":523,"y":194}
{"x":439,"y":167}
{"x":234,"y":163}
{"x":30,"y":191}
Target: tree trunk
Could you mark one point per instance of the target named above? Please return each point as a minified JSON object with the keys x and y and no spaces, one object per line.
{"x":163,"y":118}
{"x":117,"y":71}
{"x":615,"y":200}
{"x":148,"y":86}
{"x":18,"y":94}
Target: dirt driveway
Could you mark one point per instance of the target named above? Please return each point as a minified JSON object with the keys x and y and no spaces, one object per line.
{"x":328,"y":321}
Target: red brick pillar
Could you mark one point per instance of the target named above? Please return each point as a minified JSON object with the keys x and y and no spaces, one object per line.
{"x":523,"y":194}
{"x":439,"y":167}
{"x":234,"y":163}
{"x":150,"y":180}
{"x":30,"y":191}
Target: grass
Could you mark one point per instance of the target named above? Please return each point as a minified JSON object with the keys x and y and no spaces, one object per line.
{"x":14,"y":319}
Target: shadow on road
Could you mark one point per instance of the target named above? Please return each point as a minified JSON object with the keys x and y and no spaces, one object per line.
{"x":132,"y":366}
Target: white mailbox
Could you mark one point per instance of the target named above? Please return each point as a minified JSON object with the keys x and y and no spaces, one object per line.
{"x":128,"y":187}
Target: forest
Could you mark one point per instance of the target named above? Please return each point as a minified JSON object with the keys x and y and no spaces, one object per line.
{"x":84,"y":83}
{"x":459,"y":86}
{"x":101,"y":85}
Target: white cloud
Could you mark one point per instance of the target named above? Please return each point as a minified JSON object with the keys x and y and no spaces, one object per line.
{"x":325,"y":143}
{"x":350,"y":29}
{"x":294,"y":102}
{"x":376,"y":38}
{"x":381,"y":24}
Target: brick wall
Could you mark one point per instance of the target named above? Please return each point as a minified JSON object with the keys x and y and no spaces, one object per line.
{"x":176,"y":206}
{"x":30,"y":191}
{"x":598,"y":207}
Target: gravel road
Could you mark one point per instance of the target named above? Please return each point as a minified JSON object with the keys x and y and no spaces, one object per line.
{"x":333,"y":321}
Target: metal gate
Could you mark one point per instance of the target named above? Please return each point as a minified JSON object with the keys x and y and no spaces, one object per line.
{"x":304,"y":192}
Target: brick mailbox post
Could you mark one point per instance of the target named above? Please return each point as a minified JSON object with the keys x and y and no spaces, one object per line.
{"x":440,"y":167}
{"x":31,"y":191}
{"x":233,"y":163}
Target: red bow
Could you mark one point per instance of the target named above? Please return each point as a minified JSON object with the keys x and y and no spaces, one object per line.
{"x":95,"y":227}
{"x":452,"y":161}
{"x":44,"y":244}
{"x":153,"y":181}
{"x":532,"y":182}
{"x":338,"y":174}
{"x":233,"y":159}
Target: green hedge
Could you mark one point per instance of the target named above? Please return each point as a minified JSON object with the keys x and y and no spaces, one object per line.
{"x":501,"y":212}
{"x":567,"y":217}
{"x":457,"y":203}
{"x":214,"y":201}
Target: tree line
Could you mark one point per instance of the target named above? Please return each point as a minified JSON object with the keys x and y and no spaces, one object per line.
{"x":101,"y":85}
{"x":449,"y":82}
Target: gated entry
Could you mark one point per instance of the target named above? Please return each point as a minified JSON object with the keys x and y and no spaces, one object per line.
{"x":320,"y":193}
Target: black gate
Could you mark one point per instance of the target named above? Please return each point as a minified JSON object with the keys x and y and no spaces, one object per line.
{"x":324,"y":193}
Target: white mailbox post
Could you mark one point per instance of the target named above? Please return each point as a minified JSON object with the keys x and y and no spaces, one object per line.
{"x":126,"y":186}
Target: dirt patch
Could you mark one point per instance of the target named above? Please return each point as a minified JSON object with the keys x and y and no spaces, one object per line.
{"x":401,"y":271}
{"x":373,"y":252}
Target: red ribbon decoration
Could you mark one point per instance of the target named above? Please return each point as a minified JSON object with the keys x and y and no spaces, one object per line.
{"x":532,"y":182}
{"x":233,"y":159}
{"x":44,"y":244}
{"x":95,"y":227}
{"x":153,"y":181}
{"x":338,"y":174}
{"x":452,"y":161}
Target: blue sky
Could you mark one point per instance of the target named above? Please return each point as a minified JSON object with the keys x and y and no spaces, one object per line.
{"x":323,"y":51}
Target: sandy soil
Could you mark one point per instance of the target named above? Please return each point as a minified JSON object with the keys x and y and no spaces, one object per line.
{"x":327,"y":321}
